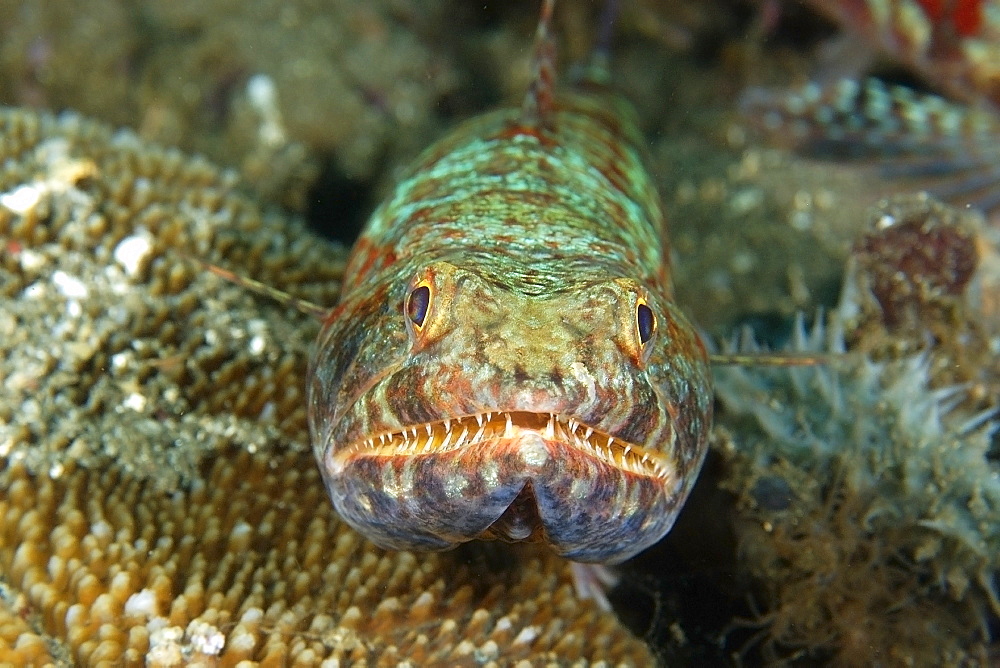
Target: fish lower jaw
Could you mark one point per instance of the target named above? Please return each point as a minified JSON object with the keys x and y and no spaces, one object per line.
{"x":527,"y":430}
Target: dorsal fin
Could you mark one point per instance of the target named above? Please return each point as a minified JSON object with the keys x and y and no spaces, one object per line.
{"x":594,"y":74}
{"x":537,"y":110}
{"x":597,"y":71}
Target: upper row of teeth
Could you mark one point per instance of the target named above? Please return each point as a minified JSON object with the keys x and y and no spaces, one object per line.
{"x":568,"y":428}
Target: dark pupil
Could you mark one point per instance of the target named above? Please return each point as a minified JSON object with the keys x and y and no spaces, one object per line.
{"x":416,"y":305}
{"x":644,"y":318}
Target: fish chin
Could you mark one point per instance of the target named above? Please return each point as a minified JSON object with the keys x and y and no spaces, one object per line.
{"x":512,"y":476}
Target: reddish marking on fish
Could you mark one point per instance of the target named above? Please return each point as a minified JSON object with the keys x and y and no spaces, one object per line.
{"x":366,"y":258}
{"x":507,"y":360}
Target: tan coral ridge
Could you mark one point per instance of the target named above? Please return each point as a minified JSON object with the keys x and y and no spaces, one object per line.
{"x":158,"y":501}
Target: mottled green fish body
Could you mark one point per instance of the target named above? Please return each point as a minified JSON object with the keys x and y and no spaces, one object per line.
{"x":507,"y":360}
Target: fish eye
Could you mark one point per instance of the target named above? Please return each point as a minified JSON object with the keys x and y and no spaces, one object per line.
{"x":645,"y":321}
{"x":417,"y":303}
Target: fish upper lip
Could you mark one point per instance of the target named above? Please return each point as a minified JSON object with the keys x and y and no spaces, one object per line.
{"x":450,"y":434}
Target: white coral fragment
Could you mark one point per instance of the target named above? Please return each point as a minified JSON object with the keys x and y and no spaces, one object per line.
{"x":70,"y":287}
{"x":22,"y":199}
{"x":132,"y":251}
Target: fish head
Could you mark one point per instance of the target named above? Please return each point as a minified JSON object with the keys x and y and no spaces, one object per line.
{"x":452,"y":406}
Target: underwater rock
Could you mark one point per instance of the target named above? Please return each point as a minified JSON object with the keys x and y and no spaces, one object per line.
{"x":158,"y":499}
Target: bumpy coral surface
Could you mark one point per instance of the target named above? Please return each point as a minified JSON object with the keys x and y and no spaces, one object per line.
{"x":158,"y":501}
{"x":250,"y":562}
{"x":113,"y":342}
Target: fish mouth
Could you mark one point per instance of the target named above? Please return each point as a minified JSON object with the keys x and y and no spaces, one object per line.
{"x":452,"y":434}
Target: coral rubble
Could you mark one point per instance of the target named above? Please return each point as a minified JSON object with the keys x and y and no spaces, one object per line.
{"x":158,"y":501}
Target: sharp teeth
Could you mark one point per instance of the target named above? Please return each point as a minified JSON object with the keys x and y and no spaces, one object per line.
{"x":461,"y":439}
{"x":586,"y":435}
{"x":509,"y":428}
{"x":447,"y":425}
{"x":428,"y":427}
{"x":611,"y":441}
{"x":381,"y":439}
{"x":479,"y":434}
{"x":572,"y":425}
{"x":627,"y":449}
{"x":479,"y":419}
{"x":550,"y":428}
{"x":447,"y":439}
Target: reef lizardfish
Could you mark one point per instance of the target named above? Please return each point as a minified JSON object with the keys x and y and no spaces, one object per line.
{"x":507,"y":360}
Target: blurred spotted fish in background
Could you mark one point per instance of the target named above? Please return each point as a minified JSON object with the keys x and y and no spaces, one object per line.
{"x":952,"y":45}
{"x":917,"y":141}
